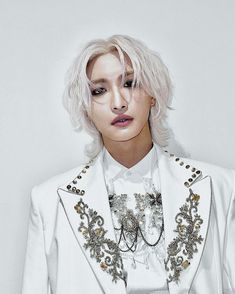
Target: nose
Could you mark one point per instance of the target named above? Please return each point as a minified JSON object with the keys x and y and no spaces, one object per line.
{"x":119,"y":104}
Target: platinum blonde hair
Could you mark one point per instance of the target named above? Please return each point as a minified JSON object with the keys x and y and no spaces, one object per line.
{"x":149,"y":71}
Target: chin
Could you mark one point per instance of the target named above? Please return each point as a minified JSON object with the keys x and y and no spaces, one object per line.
{"x":124,"y":137}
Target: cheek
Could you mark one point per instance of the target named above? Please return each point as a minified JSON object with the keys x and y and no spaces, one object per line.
{"x":98,"y":115}
{"x":137,"y":97}
{"x":141,"y":98}
{"x":142,"y":105}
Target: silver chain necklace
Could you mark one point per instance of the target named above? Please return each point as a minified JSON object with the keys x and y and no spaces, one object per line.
{"x":131,"y":225}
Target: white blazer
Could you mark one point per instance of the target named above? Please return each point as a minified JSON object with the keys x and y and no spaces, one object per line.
{"x":71,"y":247}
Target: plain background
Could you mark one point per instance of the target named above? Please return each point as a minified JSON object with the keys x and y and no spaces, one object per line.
{"x":39,"y":39}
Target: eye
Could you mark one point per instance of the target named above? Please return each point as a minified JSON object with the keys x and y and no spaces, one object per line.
{"x":129,"y":84}
{"x":98,"y":91}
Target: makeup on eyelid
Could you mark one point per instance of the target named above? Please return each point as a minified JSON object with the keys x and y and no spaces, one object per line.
{"x":119,"y":109}
{"x":99,"y":90}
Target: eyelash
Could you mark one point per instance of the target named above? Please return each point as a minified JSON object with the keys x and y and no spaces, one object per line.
{"x":101,"y":90}
{"x":97,"y":91}
{"x":129,"y":82}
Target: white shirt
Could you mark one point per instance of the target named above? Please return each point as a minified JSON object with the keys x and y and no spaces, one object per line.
{"x":145,"y":267}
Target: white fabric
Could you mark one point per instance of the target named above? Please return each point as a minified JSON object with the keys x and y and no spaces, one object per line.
{"x":145,"y":267}
{"x":56,"y":257}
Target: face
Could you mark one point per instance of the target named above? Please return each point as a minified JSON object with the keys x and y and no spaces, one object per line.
{"x":119,"y":112}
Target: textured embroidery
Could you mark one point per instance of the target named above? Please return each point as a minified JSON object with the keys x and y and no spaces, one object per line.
{"x":180,"y":251}
{"x":131,"y":226}
{"x":104,"y":250}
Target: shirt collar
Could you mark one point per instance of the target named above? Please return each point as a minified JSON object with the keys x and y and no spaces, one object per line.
{"x":144,"y":168}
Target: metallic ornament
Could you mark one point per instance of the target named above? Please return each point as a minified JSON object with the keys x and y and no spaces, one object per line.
{"x":129,"y":222}
{"x":104,"y":250}
{"x":181,"y":250}
{"x":107,"y":253}
{"x":132,"y":224}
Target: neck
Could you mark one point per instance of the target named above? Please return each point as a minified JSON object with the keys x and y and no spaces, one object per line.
{"x":130,"y":152}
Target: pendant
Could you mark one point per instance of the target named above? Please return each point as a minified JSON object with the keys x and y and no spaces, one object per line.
{"x":129,"y":222}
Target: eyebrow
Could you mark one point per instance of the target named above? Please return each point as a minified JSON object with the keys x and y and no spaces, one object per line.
{"x":127,"y":73}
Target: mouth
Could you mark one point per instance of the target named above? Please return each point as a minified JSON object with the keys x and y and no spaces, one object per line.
{"x":122,"y":120}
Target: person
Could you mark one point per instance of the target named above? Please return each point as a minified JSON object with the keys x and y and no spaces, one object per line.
{"x":135,"y":218}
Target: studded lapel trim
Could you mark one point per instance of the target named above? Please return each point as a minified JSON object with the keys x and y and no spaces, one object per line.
{"x":181,"y":186}
{"x":186,"y":210}
{"x":87,"y":210}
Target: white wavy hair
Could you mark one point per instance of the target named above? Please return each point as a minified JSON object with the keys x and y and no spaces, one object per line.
{"x":149,"y":71}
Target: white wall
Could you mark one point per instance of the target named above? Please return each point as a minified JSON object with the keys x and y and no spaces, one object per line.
{"x":39,"y":39}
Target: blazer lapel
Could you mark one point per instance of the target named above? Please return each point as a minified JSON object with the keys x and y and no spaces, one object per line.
{"x":186,"y":197}
{"x":85,"y":202}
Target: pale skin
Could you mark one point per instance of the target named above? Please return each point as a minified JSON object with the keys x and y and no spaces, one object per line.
{"x":110,"y":98}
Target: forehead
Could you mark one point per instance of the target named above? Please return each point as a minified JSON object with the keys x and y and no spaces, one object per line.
{"x":107,"y":65}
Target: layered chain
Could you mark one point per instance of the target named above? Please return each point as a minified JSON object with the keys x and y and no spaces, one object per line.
{"x":134,"y":225}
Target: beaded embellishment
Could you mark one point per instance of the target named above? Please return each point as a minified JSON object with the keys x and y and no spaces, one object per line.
{"x":181,"y":250}
{"x":104,"y":250}
{"x":107,"y":253}
{"x":132,"y":225}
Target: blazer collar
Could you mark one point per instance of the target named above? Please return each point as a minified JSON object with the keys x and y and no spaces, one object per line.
{"x":185,"y":193}
{"x":186,"y":197}
{"x":86,"y":205}
{"x":143,"y":168}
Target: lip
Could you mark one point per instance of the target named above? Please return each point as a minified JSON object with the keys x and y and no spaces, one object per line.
{"x":117,"y":121}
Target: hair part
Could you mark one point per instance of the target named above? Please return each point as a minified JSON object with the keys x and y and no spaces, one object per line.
{"x":149,"y":72}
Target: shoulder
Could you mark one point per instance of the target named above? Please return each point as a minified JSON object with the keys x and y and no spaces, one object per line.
{"x":222,"y":179}
{"x":45,"y":194}
{"x":216,"y":172}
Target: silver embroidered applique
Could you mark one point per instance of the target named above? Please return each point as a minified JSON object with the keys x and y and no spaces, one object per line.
{"x":181,"y":250}
{"x":131,"y":226}
{"x":104,"y":250}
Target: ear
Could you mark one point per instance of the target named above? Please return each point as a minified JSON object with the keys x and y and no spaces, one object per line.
{"x":88,"y":113}
{"x":153,"y":102}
